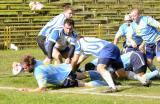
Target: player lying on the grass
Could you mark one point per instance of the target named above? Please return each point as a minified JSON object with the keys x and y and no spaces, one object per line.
{"x":136,"y":62}
{"x":108,"y":56}
{"x":60,"y":75}
{"x":132,"y":61}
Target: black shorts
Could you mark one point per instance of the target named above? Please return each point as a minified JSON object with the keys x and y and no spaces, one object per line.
{"x":111,"y":62}
{"x":70,"y":81}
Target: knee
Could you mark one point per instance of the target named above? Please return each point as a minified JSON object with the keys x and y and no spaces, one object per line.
{"x":158,"y":59}
{"x":101,"y":68}
{"x":58,"y":56}
{"x":149,"y":62}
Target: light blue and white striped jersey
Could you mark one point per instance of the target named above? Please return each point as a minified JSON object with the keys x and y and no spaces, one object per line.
{"x":147,"y":29}
{"x":90,"y":46}
{"x":53,"y":74}
{"x":61,"y":39}
{"x":56,"y":22}
{"x":123,"y":31}
{"x":126,"y":59}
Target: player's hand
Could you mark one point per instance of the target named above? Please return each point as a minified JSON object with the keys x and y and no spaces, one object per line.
{"x":142,"y":48}
{"x":47,"y":61}
{"x":134,"y":45}
{"x":68,"y":61}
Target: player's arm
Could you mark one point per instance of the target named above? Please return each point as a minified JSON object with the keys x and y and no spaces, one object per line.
{"x":129,"y":36}
{"x":40,"y":40}
{"x":151,"y":21}
{"x":119,"y":33}
{"x":70,"y":54}
{"x":52,"y":40}
{"x":81,"y":59}
{"x":33,"y":90}
{"x":50,"y":49}
{"x":142,"y":47}
{"x":74,"y":62}
{"x":116,"y":39}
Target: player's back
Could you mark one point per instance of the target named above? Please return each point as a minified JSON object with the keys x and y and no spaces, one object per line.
{"x":91,"y":45}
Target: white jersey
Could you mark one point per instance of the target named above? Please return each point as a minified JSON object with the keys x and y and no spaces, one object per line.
{"x":90,"y":46}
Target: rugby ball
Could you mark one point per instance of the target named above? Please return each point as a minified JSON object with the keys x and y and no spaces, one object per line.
{"x":17,"y":69}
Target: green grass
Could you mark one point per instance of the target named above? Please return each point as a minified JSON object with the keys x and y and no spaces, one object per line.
{"x":27,"y":80}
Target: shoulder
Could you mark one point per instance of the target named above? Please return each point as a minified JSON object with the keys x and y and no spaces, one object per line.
{"x":74,"y":34}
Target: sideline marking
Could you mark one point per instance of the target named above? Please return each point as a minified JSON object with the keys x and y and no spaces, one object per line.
{"x":85,"y":91}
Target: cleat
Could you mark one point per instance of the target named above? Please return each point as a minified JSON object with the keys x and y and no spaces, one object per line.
{"x":147,"y":84}
{"x":142,"y":79}
{"x":110,"y":90}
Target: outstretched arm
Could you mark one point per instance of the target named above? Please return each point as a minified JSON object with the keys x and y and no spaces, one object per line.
{"x":32,"y":90}
{"x":74,"y":61}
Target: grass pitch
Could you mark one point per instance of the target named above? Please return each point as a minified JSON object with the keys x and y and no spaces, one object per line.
{"x":131,"y":91}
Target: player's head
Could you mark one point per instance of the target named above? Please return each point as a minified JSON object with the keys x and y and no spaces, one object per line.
{"x":28,"y":63}
{"x":68,"y":26}
{"x":135,"y":13}
{"x":127,"y":19}
{"x":68,"y":11}
{"x":89,"y":66}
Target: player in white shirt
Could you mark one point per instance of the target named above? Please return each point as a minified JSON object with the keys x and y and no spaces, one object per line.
{"x":107,"y":53}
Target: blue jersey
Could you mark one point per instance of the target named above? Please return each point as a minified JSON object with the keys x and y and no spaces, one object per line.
{"x":90,"y":46}
{"x":147,"y":29}
{"x":126,"y":59}
{"x":53,"y":74}
{"x":123,"y":31}
{"x":56,"y":22}
{"x":38,"y":62}
{"x":61,"y":39}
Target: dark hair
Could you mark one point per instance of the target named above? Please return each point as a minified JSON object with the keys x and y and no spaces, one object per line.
{"x":29,"y":60}
{"x":89,"y":66}
{"x":69,"y":22}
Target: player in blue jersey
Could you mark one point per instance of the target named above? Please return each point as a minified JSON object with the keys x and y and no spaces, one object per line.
{"x":56,"y":22}
{"x":59,"y":75}
{"x":147,"y":28}
{"x":108,"y":55}
{"x":61,"y":43}
{"x":122,"y":32}
{"x":134,"y":61}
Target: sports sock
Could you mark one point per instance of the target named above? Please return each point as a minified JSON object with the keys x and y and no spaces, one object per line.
{"x":131,"y":75}
{"x":108,"y":78}
{"x":151,"y":74}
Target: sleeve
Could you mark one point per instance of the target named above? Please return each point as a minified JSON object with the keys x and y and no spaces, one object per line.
{"x":71,"y":51}
{"x":120,"y":31}
{"x":152,"y":22}
{"x":73,"y":39}
{"x":56,"y":21}
{"x":50,"y":49}
{"x":78,"y":48}
{"x":54,"y":36}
